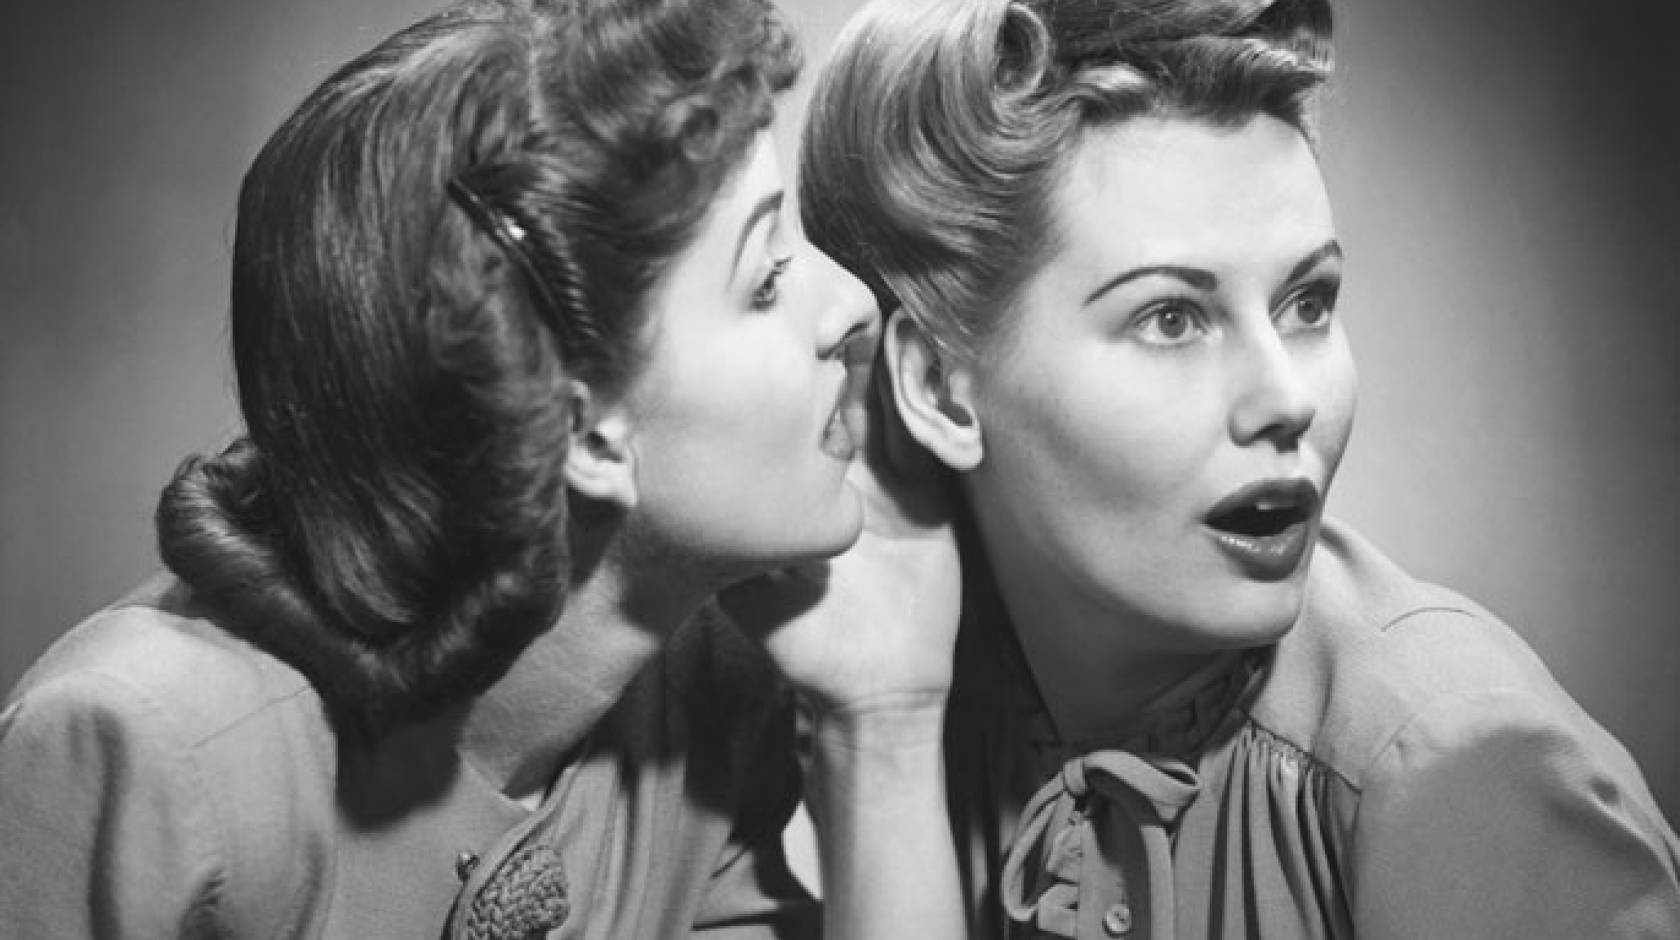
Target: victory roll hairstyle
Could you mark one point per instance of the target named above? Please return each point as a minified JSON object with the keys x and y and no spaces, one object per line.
{"x":937,"y":129}
{"x":442,"y":239}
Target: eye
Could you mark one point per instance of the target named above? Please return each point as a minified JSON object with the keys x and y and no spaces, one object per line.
{"x":1170,"y":323}
{"x":768,"y":291}
{"x":1309,"y":308}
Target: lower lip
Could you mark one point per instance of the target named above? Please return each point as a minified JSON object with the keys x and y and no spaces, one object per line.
{"x":1266,"y":557}
{"x":841,"y":437}
{"x":837,"y":440}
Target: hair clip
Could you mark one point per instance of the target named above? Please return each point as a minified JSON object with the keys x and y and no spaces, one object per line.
{"x":510,"y":237}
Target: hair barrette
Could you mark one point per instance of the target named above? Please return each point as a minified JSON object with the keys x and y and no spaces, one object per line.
{"x":511,"y":238}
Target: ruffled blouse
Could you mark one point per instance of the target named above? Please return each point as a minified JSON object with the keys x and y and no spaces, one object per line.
{"x":1400,"y":765}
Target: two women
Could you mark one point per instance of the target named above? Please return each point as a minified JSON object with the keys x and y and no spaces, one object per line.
{"x":1187,"y":704}
{"x":531,"y":368}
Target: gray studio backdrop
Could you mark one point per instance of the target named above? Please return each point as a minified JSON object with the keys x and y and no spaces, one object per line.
{"x":1503,"y":172}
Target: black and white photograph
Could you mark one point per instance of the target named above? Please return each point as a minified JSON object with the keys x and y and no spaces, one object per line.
{"x":860,"y":469}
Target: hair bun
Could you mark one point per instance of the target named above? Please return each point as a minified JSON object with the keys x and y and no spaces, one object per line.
{"x":209,"y":513}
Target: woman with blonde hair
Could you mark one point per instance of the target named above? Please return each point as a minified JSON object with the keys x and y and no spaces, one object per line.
{"x":1187,"y":704}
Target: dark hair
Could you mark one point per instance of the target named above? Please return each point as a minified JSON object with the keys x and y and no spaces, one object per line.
{"x":396,"y":523}
{"x":937,"y":129}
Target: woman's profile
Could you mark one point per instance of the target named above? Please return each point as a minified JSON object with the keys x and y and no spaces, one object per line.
{"x":531,"y":368}
{"x":1187,"y":704}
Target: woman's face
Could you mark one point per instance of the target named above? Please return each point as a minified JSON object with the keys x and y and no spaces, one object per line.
{"x":1163,"y":413}
{"x":749,"y":407}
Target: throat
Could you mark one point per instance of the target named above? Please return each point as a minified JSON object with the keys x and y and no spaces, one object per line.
{"x":1095,"y":702}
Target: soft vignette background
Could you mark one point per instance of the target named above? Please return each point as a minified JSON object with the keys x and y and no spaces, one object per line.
{"x":1503,"y":172}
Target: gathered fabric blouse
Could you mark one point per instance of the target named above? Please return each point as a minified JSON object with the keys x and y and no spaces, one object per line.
{"x":160,"y":778}
{"x":1400,"y":765}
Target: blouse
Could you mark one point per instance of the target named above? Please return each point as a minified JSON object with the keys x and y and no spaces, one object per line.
{"x":1400,"y":764}
{"x":162,"y":778}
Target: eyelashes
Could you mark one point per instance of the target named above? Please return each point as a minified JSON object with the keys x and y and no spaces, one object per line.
{"x":1311,"y":306}
{"x":1170,"y":322}
{"x":1178,"y":319}
{"x":769,"y":290}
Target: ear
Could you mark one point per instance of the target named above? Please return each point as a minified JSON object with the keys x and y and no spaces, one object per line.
{"x":600,"y":463}
{"x":934,"y":394}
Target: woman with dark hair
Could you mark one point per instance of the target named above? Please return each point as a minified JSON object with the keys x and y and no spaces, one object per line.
{"x":1186,"y":704}
{"x":531,"y":369}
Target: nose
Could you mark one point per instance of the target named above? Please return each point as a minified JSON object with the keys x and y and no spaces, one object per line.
{"x":1273,"y":400}
{"x":849,"y":324}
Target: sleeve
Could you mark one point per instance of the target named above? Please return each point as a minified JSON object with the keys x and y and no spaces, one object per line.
{"x":1496,"y":814}
{"x":753,"y":893}
{"x":104,"y":830}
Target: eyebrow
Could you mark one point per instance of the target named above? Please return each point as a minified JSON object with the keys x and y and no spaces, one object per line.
{"x":1330,"y":249}
{"x":1196,"y":277}
{"x":1205,"y":280}
{"x":771,"y":202}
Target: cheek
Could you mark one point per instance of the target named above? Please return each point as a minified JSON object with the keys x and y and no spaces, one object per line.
{"x":742,"y":408}
{"x":1338,"y":397}
{"x":729,"y":454}
{"x":1104,"y":439}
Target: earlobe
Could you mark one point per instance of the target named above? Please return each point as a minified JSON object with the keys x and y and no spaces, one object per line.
{"x":934,"y":395}
{"x":600,"y":463}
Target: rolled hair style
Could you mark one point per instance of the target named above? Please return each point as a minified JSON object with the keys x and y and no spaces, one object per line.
{"x":396,"y":524}
{"x":937,"y":131}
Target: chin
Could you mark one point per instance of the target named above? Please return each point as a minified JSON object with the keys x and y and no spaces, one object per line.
{"x":1227,"y":614}
{"x":1256,"y":613}
{"x":845,"y":528}
{"x":820,"y":536}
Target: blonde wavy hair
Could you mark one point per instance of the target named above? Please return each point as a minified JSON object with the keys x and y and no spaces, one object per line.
{"x":937,"y":129}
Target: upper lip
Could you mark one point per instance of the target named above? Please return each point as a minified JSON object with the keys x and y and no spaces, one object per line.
{"x":857,"y":358}
{"x":1296,"y":497}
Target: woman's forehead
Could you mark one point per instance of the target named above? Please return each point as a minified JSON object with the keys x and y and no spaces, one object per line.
{"x":1155,"y":189}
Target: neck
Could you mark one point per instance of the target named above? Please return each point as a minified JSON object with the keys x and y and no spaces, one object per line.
{"x":1093,"y":693}
{"x":523,"y":729}
{"x":1097,"y":668}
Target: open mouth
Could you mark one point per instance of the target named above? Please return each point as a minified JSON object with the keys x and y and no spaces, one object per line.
{"x":844,"y":433}
{"x":1265,"y":509}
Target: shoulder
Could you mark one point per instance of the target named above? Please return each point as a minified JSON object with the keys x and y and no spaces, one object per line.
{"x":153,"y":648}
{"x":200,"y":751}
{"x":1379,"y":657}
{"x":1481,"y":798}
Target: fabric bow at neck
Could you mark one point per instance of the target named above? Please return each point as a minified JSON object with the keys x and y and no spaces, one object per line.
{"x":1101,"y":830}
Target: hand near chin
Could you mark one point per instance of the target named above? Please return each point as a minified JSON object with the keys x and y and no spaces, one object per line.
{"x":870,"y":633}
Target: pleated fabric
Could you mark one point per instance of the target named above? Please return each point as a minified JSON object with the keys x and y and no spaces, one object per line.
{"x":1399,"y":765}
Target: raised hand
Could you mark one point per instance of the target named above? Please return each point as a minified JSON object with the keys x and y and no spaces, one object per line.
{"x":874,"y":627}
{"x":868,"y":638}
